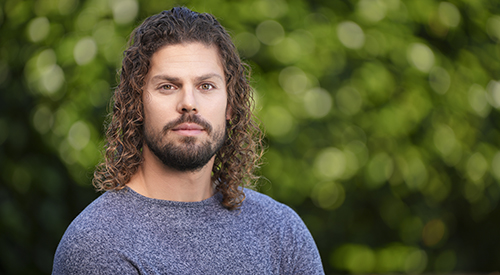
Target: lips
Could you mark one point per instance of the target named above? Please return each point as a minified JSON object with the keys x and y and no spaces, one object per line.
{"x":188,"y":127}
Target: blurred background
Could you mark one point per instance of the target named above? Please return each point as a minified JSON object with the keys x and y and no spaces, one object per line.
{"x":382,"y":121}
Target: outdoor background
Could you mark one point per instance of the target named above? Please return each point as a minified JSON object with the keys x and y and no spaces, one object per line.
{"x":382,"y":121}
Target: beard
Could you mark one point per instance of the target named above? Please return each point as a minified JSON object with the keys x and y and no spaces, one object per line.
{"x":187,"y":155}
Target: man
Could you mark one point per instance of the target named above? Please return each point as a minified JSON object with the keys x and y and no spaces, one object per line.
{"x":181,"y":143}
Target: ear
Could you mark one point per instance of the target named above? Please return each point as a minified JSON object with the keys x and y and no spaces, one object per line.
{"x":229,"y":112}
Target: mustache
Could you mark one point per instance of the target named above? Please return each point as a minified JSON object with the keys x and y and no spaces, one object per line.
{"x":185,"y":118}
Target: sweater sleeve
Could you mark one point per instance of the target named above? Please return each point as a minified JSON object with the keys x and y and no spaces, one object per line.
{"x":301,"y":253}
{"x":90,"y":252}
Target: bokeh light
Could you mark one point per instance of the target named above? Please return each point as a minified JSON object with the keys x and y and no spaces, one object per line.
{"x":270,"y":32}
{"x":351,"y":35}
{"x":38,"y":29}
{"x":421,"y":56}
{"x":85,"y":50}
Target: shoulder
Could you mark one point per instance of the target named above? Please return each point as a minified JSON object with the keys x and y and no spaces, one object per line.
{"x":266,"y":206}
{"x":102,"y":217}
{"x":264,"y":210}
{"x":254,"y":199}
{"x":102,"y":212}
{"x":299,"y":252}
{"x":92,"y":238}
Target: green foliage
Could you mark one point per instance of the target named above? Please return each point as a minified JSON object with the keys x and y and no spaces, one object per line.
{"x":381,"y":120}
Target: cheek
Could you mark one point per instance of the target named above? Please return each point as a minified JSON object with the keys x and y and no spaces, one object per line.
{"x":146,"y":104}
{"x":158,"y":110}
{"x":152,"y":118}
{"x":224,"y":110}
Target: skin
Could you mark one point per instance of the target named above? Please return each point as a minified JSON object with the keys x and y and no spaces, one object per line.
{"x":183,"y":78}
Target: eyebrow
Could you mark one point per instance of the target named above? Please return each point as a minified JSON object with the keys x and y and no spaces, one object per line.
{"x":176,"y":79}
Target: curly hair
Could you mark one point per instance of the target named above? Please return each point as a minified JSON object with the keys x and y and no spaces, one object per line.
{"x":236,"y":162}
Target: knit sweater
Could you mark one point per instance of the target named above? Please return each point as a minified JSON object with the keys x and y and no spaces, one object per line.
{"x":123,"y":232}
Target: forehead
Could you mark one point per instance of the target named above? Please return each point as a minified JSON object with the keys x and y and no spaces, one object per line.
{"x":189,"y":58}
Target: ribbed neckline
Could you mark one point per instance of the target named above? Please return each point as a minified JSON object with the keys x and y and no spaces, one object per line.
{"x":214,"y":200}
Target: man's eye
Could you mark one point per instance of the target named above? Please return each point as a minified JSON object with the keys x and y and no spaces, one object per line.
{"x":207,"y":86}
{"x":167,"y":87}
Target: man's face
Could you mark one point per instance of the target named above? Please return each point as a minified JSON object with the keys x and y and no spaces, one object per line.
{"x":185,"y":105}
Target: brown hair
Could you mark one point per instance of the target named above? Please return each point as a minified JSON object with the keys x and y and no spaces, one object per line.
{"x":237,"y":160}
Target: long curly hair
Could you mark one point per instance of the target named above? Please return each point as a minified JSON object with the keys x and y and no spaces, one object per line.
{"x":239,"y":157}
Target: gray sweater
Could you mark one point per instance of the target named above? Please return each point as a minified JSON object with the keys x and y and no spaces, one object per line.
{"x":123,"y":232}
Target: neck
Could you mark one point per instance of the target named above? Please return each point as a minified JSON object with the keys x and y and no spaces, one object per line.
{"x":155,"y":180}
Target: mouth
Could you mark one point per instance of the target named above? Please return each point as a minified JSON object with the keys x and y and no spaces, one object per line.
{"x":188,"y":129}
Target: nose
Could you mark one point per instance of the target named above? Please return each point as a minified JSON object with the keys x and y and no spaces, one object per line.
{"x":187,"y":102}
